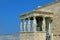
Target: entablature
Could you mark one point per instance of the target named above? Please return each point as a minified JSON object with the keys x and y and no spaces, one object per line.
{"x":36,"y":13}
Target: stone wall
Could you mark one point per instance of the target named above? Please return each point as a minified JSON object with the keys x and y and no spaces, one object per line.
{"x":55,"y":27}
{"x":33,"y":36}
{"x":56,"y":37}
{"x":26,"y":36}
{"x":40,"y":36}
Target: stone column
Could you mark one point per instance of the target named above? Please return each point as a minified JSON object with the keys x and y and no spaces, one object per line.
{"x":34,"y":24}
{"x":49,"y":29}
{"x":43,"y":24}
{"x":31,"y":28}
{"x":28,"y":24}
{"x":24,"y":25}
{"x":21,"y":26}
{"x":49,"y":25}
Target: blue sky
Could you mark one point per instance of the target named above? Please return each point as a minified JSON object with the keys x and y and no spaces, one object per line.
{"x":10,"y":11}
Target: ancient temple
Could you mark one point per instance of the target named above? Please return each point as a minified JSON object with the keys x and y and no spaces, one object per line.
{"x":42,"y":23}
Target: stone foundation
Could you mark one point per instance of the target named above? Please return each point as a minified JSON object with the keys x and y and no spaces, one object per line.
{"x":32,"y":36}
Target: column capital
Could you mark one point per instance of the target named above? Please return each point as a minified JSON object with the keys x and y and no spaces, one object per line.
{"x":44,"y":16}
{"x":24,"y":21}
{"x":28,"y":20}
{"x":34,"y":20}
{"x":34,"y":17}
